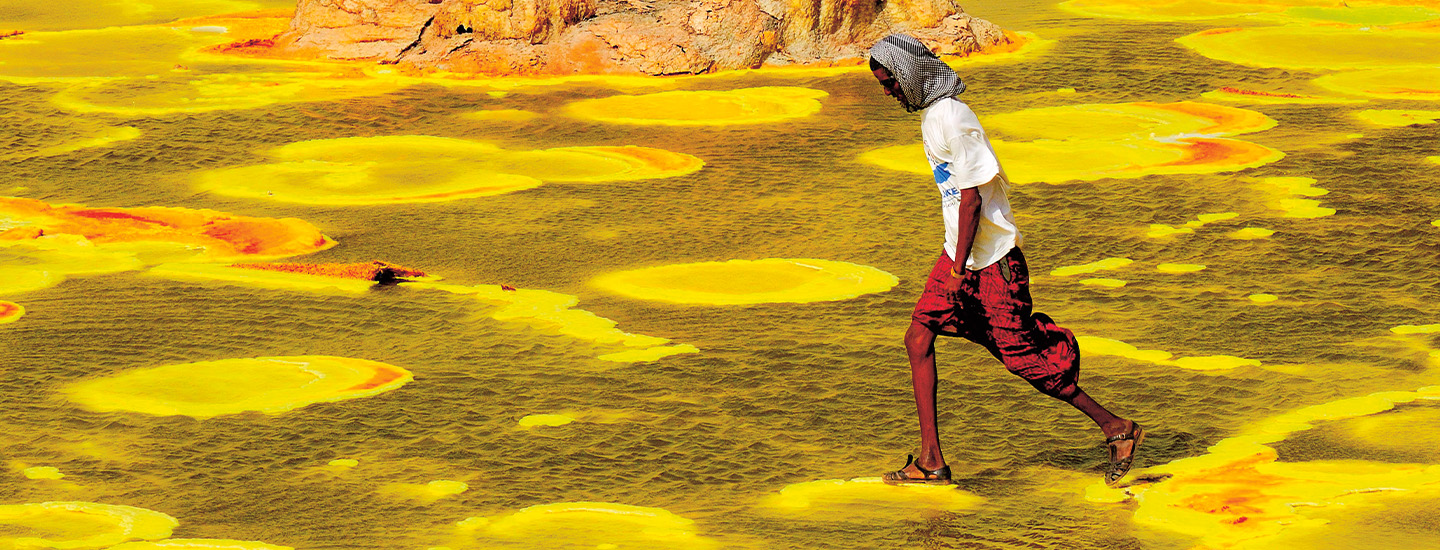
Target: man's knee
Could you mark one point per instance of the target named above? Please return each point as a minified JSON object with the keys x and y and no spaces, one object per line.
{"x":919,"y":339}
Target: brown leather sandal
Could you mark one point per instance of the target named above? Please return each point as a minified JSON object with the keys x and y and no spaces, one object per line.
{"x":938,"y":476}
{"x":1118,"y":468}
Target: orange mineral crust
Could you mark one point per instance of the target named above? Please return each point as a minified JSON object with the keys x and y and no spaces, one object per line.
{"x":10,"y":312}
{"x":370,"y":271}
{"x":218,"y":234}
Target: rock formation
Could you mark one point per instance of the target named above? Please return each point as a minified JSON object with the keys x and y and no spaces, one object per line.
{"x":655,"y":37}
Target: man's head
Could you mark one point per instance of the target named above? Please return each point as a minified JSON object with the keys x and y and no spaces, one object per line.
{"x":887,"y":80}
{"x":911,"y":73}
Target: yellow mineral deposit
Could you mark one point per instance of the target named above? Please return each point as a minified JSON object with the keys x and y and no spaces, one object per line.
{"x":1160,"y":230}
{"x":866,"y":498}
{"x":1283,"y":190}
{"x":81,"y":138}
{"x":1410,"y":431}
{"x":1105,"y":282}
{"x":1250,"y":233}
{"x":738,"y":282}
{"x":1371,"y":12}
{"x":549,"y":311}
{"x":157,"y":232}
{"x":414,"y":169}
{"x":425,"y":492}
{"x":1239,"y":495}
{"x":1124,"y":140}
{"x":1410,"y":83}
{"x":702,"y":108}
{"x":1263,"y":298}
{"x":94,"y":14}
{"x":1092,"y":267}
{"x":1178,"y":268}
{"x":1397,"y":117}
{"x":199,"y":544}
{"x":343,"y":463}
{"x":1416,"y":329}
{"x":10,"y":311}
{"x":71,"y":56}
{"x":550,"y":420}
{"x":1319,"y":47}
{"x":231,"y":386}
{"x":278,"y":280}
{"x":78,"y":525}
{"x":1259,"y":97}
{"x":180,"y":92}
{"x":42,"y":472}
{"x":1094,"y":345}
{"x":587,"y":525}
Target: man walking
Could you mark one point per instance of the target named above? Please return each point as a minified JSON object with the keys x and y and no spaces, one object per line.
{"x":979,"y":287}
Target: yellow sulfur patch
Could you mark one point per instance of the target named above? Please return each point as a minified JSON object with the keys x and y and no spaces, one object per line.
{"x":1375,"y":12}
{"x":70,"y":56}
{"x":588,"y":525}
{"x":505,"y":115}
{"x":11,"y":311}
{"x":344,"y":463}
{"x":1123,"y":140}
{"x":549,"y":311}
{"x":1255,"y":97}
{"x":231,"y":386}
{"x":104,"y":137}
{"x":1416,"y":329}
{"x":1093,"y":345}
{"x":411,"y":169}
{"x":184,"y":93}
{"x":1103,"y":281}
{"x":78,"y":525}
{"x":1317,"y":47}
{"x":1104,"y":346}
{"x":1107,"y":263}
{"x":1282,"y":191}
{"x":1250,"y":233}
{"x":1169,"y":10}
{"x":1395,"y":117}
{"x":264,"y":279}
{"x":427,"y":492}
{"x":1239,"y":495}
{"x":649,"y":354}
{"x":702,"y":108}
{"x":739,"y":282}
{"x":199,"y":544}
{"x":42,"y":472}
{"x":1414,"y":83}
{"x":89,"y":14}
{"x":1179,"y":268}
{"x":1215,"y":362}
{"x":1263,"y":298}
{"x":552,"y":420}
{"x":1410,"y":431}
{"x":1160,"y":230}
{"x":869,"y":497}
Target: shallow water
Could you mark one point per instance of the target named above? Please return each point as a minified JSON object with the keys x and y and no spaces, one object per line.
{"x":778,"y":393}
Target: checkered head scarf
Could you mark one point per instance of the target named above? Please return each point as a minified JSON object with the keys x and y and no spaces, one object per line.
{"x":923,"y":77}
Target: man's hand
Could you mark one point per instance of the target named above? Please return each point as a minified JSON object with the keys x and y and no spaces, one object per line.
{"x":953,"y":282}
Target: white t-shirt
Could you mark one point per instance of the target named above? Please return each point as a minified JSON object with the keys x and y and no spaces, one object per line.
{"x":961,"y":157}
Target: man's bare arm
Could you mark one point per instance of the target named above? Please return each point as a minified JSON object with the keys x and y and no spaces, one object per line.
{"x":969,"y":224}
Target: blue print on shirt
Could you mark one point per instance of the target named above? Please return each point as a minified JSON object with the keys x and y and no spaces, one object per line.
{"x":942,"y":172}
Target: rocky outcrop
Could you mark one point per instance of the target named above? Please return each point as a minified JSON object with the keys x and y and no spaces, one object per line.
{"x":656,"y":37}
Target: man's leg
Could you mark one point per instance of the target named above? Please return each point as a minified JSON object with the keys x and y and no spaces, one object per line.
{"x":920,"y":345}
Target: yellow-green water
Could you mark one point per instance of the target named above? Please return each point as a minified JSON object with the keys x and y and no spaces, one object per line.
{"x":778,"y":394}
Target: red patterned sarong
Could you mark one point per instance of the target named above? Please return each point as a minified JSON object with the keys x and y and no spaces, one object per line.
{"x":994,"y":311}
